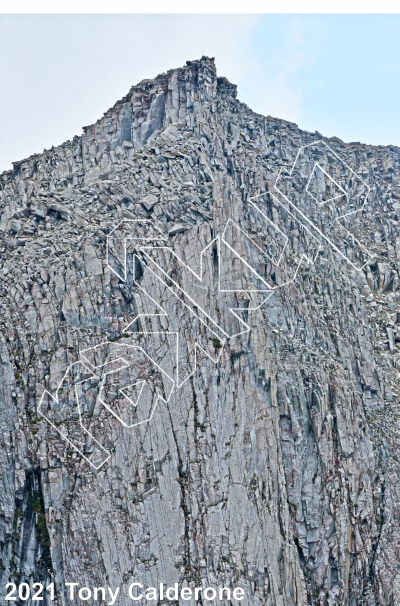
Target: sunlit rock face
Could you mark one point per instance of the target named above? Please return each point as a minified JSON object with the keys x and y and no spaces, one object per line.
{"x":200,"y":355}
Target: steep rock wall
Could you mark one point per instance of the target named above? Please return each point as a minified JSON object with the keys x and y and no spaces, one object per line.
{"x":274,"y":469}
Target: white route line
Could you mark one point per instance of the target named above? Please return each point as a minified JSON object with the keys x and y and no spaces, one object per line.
{"x":143,"y":382}
{"x":346,"y":215}
{"x":254,"y":243}
{"x":91,"y":369}
{"x":200,"y":279}
{"x":147,"y":222}
{"x":329,"y":177}
{"x":204,"y":317}
{"x":303,"y":256}
{"x":85,"y":431}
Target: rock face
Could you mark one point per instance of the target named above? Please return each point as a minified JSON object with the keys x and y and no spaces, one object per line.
{"x":271,"y":462}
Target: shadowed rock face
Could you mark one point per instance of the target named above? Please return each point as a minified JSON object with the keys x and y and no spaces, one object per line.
{"x":274,"y":465}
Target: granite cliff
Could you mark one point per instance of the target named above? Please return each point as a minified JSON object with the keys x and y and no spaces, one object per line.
{"x":272,"y":463}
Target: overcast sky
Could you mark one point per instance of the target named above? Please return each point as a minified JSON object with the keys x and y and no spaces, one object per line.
{"x":339,"y":75}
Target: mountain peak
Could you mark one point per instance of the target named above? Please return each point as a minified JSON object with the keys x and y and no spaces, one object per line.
{"x":153,"y":104}
{"x":141,"y":115}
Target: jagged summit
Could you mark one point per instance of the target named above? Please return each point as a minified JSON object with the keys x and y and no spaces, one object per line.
{"x":140,"y":116}
{"x":192,"y":75}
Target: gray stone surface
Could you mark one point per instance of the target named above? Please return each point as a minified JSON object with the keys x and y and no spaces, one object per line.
{"x":276,"y":469}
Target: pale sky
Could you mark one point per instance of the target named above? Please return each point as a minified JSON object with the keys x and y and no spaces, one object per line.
{"x":338,"y":74}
